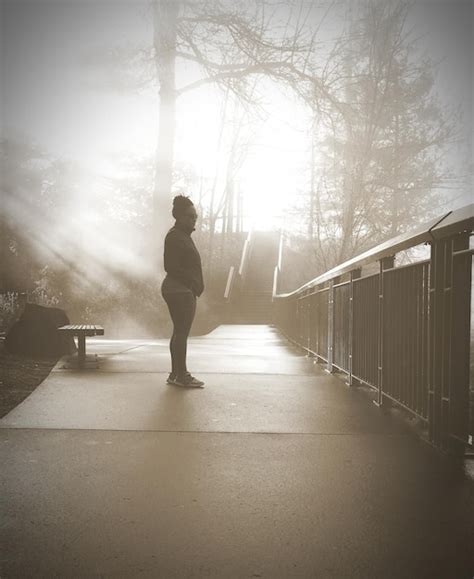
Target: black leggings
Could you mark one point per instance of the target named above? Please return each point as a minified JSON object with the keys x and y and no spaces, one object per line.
{"x":182,"y":307}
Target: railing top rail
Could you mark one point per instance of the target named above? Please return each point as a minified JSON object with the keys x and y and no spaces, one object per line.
{"x":448,"y":224}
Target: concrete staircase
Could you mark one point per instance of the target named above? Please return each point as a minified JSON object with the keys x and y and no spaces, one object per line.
{"x":255,"y":308}
{"x":253,"y":302}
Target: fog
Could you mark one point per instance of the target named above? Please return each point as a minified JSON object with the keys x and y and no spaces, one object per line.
{"x":80,"y":98}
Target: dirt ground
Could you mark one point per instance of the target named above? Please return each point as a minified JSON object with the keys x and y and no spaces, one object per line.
{"x":19,"y":377}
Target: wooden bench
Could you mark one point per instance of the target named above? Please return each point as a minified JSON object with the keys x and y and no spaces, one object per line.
{"x":81,"y":331}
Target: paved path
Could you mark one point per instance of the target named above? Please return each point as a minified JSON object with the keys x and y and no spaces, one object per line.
{"x":275,"y":469}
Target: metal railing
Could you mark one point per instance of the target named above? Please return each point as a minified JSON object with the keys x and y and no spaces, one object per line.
{"x":403,"y":331}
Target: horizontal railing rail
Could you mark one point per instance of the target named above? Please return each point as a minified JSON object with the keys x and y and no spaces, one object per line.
{"x":404,"y":331}
{"x":452,"y":221}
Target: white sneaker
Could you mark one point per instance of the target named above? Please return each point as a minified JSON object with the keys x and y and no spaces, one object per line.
{"x":188,"y":381}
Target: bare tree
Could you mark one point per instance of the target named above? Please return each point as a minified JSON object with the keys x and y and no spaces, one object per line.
{"x":229,"y":43}
{"x":165,"y":44}
{"x":380,"y":137}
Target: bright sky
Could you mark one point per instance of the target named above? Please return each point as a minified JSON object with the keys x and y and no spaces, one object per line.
{"x":273,"y":169}
{"x":50,"y":96}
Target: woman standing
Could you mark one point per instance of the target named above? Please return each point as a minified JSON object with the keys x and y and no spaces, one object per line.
{"x":182,"y":285}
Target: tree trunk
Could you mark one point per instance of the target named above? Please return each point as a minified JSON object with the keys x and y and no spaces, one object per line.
{"x":396,"y":180}
{"x":165,"y":21}
{"x":311,"y":192}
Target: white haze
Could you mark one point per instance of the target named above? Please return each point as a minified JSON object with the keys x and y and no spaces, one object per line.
{"x":51,"y":96}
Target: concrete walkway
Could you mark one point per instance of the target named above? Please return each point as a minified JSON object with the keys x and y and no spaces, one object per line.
{"x":275,"y":469}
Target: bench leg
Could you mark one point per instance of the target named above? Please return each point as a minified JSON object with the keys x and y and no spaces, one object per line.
{"x":81,"y":356}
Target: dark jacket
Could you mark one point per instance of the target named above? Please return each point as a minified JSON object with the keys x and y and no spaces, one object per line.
{"x":182,"y":260}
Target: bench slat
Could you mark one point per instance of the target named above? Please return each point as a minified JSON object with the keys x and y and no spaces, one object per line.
{"x":83,"y":329}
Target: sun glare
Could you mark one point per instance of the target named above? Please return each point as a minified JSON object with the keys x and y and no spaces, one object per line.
{"x":272,"y":164}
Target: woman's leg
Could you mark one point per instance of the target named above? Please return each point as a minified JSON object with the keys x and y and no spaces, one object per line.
{"x":182,"y":307}
{"x":173,"y":308}
{"x":173,"y":357}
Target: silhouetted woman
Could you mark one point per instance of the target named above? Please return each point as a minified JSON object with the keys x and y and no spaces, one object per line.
{"x":182,"y":285}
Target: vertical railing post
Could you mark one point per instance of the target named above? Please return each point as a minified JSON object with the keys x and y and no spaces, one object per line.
{"x":298,"y":320}
{"x":459,"y":415}
{"x":441,"y":254}
{"x":305,"y":327}
{"x":294,"y":320}
{"x":330,"y":326}
{"x":310,"y":317}
{"x":448,"y":389}
{"x":331,"y":322}
{"x":317,"y":324}
{"x":355,"y":273}
{"x":292,"y":317}
{"x":384,"y":263}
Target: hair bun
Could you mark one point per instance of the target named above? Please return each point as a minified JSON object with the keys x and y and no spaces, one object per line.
{"x":180,"y":203}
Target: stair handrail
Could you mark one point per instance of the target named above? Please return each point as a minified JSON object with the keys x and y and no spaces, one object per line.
{"x":275,"y":282}
{"x":230,"y":283}
{"x":234,"y":275}
{"x":280,"y":250}
{"x":245,"y":253}
{"x":277,"y":270}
